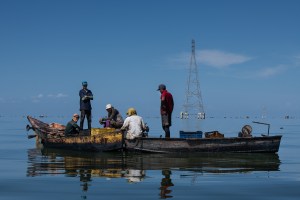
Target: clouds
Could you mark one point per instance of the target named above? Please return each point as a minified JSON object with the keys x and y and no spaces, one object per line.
{"x":34,"y":99}
{"x":59,"y":95}
{"x":270,"y":71}
{"x":234,"y":65}
{"x":220,"y":59}
{"x":211,"y":58}
{"x":39,"y":97}
{"x":297,"y":60}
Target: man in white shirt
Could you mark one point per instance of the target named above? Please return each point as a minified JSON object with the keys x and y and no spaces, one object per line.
{"x":133,"y":124}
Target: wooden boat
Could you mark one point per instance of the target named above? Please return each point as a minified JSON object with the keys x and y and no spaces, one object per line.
{"x":52,"y":136}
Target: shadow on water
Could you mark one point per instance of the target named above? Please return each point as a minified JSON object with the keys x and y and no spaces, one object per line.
{"x":133,"y":166}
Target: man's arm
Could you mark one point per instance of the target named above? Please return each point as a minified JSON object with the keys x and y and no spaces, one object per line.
{"x":125,"y":124}
{"x":90,"y":95}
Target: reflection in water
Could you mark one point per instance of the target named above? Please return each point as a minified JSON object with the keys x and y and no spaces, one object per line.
{"x":134,"y":175}
{"x":166,"y":182}
{"x":85,"y":177}
{"x":133,"y":166}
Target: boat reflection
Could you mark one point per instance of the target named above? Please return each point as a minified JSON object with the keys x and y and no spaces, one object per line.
{"x":133,"y":166}
{"x":166,"y":182}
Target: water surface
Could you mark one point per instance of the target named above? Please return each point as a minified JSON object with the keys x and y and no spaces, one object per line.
{"x":28,"y":172}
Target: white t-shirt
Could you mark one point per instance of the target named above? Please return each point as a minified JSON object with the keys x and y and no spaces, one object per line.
{"x":134,"y":126}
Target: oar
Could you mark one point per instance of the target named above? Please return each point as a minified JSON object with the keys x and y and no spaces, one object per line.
{"x":31,"y":136}
{"x":29,"y":127}
{"x":123,"y":140}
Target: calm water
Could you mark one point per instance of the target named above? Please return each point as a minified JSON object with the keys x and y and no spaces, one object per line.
{"x":28,"y":172}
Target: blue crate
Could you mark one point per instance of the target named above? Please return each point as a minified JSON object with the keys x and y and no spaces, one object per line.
{"x":192,"y":134}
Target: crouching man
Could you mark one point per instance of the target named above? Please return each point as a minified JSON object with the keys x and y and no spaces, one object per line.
{"x":133,"y":125}
{"x":72,"y":128}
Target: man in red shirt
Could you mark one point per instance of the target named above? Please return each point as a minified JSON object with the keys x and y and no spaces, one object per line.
{"x":166,"y":109}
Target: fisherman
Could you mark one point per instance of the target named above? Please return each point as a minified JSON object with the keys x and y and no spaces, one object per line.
{"x":166,"y":109}
{"x":72,"y":128}
{"x":86,"y":96}
{"x":113,"y":120}
{"x":133,"y":125}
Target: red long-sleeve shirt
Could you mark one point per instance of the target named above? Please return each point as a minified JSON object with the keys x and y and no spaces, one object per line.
{"x":167,"y":102}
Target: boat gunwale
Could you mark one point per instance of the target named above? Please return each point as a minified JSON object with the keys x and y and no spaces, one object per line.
{"x":208,"y":139}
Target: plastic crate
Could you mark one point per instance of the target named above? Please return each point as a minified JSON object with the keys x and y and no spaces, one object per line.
{"x":188,"y":134}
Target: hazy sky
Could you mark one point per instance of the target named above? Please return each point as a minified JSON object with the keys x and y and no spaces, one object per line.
{"x":248,"y":54}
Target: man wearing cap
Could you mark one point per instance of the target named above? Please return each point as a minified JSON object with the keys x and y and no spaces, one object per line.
{"x":86,"y":96}
{"x":166,"y":109}
{"x":133,"y":125}
{"x":72,"y":128}
{"x":114,"y":118}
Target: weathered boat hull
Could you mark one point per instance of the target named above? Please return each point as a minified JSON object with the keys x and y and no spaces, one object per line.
{"x":52,"y":136}
{"x":252,"y":144}
{"x":83,"y":143}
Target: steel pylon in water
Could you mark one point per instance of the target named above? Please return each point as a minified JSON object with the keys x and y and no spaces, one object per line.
{"x":193,"y":106}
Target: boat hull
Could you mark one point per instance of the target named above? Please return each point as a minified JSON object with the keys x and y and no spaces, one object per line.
{"x":83,"y":143}
{"x":268,"y":144}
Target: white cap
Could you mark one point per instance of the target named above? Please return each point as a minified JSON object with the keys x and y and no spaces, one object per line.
{"x":108,"y":106}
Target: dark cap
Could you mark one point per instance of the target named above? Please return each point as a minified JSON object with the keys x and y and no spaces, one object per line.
{"x":84,"y":83}
{"x":161,"y":86}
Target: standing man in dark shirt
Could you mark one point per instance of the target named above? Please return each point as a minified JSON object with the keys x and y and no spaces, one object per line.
{"x":86,"y":96}
{"x":166,"y":109}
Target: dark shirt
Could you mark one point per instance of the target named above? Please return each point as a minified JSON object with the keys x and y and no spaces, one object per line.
{"x":85,"y":104}
{"x":167,"y":103}
{"x":72,"y":128}
{"x":115,"y":115}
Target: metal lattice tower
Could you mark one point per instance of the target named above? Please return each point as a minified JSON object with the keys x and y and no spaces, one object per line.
{"x":193,"y":107}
